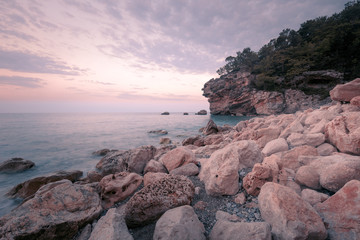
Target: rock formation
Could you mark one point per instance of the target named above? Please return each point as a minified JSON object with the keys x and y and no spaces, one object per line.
{"x":16,"y":165}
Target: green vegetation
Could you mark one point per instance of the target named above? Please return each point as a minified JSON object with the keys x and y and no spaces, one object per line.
{"x":320,"y":44}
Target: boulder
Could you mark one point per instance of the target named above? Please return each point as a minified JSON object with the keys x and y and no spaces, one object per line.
{"x":294,"y":127}
{"x":101,"y":152}
{"x":290,"y":159}
{"x":313,"y":197}
{"x":220,"y":171}
{"x":210,"y":128}
{"x":345,"y":92}
{"x":151,"y":177}
{"x":56,"y":213}
{"x":165,"y":113}
{"x":202,"y":112}
{"x":197,"y":141}
{"x":153,"y":200}
{"x":288,"y":214}
{"x":29,"y":187}
{"x":112,"y":226}
{"x":344,"y":132}
{"x":187,"y":170}
{"x":319,"y":127}
{"x":15,"y":165}
{"x":133,"y":160}
{"x":179,"y":223}
{"x":274,"y":146}
{"x":326,"y":149}
{"x":287,"y":178}
{"x":159,"y":132}
{"x":116,"y":187}
{"x":177,"y":157}
{"x":226,"y":230}
{"x":341,"y":212}
{"x":213,"y":139}
{"x":264,"y":135}
{"x":311,"y":139}
{"x":355,"y":101}
{"x":154,"y":166}
{"x":309,"y":177}
{"x":93,"y":176}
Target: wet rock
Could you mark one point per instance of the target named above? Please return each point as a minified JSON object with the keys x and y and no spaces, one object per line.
{"x":56,"y":213}
{"x":341,"y":212}
{"x":159,"y":132}
{"x":220,"y":172}
{"x":29,"y":187}
{"x":187,"y":170}
{"x":288,"y":214}
{"x":101,"y":152}
{"x":226,"y":230}
{"x":210,"y":128}
{"x":154,"y":166}
{"x":133,"y":160}
{"x":177,"y":157}
{"x":153,"y":200}
{"x":274,"y":146}
{"x":165,"y":141}
{"x":179,"y":223}
{"x":345,"y":92}
{"x":313,"y":197}
{"x":116,"y":187}
{"x":93,"y":176}
{"x":15,"y":165}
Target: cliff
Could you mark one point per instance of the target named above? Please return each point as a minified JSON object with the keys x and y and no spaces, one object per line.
{"x":235,"y":94}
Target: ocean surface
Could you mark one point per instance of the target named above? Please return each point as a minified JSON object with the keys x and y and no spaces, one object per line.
{"x":58,"y":141}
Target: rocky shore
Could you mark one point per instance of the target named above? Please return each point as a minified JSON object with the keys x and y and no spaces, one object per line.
{"x":287,"y":176}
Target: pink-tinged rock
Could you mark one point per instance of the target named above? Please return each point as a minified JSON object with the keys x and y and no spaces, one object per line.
{"x":29,"y":187}
{"x":326,"y":149}
{"x":311,"y":139}
{"x":226,"y":230}
{"x":349,"y":108}
{"x":265,"y":135}
{"x":58,"y":213}
{"x":344,"y":132}
{"x":355,"y":101}
{"x":179,"y":223}
{"x":240,"y":198}
{"x":213,"y":139}
{"x":267,"y":171}
{"x":318,"y":115}
{"x":197,"y":141}
{"x":116,"y":187}
{"x":133,"y":160}
{"x":345,"y":92}
{"x":288,"y":214}
{"x":210,"y":128}
{"x":313,"y":197}
{"x":267,"y":103}
{"x":319,"y":127}
{"x":341,"y":212}
{"x":177,"y":157}
{"x":309,"y":177}
{"x":151,"y":177}
{"x":187,"y":170}
{"x":153,"y":200}
{"x":207,"y":150}
{"x":274,"y":146}
{"x":290,"y":159}
{"x":287,"y":178}
{"x":154,"y":166}
{"x":294,"y":127}
{"x":220,"y":171}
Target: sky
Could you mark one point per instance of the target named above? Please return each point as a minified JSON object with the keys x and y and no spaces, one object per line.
{"x":131,"y":55}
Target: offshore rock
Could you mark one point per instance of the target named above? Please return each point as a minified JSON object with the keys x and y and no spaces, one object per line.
{"x":55,"y":213}
{"x":153,"y":200}
{"x":16,"y":165}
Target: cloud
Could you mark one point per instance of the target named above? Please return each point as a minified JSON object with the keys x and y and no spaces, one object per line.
{"x":26,"y":82}
{"x":29,"y":62}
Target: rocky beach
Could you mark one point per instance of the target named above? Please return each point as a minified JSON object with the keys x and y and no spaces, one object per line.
{"x":285,"y":176}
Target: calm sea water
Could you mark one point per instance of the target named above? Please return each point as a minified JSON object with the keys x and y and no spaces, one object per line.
{"x":59,"y":141}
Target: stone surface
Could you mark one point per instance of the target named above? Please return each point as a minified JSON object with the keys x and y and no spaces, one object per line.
{"x":341,"y":212}
{"x":187,"y":170}
{"x":326,"y":149}
{"x":133,"y":160}
{"x":355,"y":101}
{"x":180,"y":223}
{"x":29,"y":187}
{"x":154,"y":166}
{"x":151,"y":177}
{"x":311,"y":139}
{"x":344,"y":132}
{"x":112,"y":226}
{"x":116,"y":187}
{"x":313,"y":197}
{"x":309,"y":177}
{"x":165,"y":141}
{"x":345,"y":92}
{"x":202,"y":112}
{"x":240,"y":198}
{"x":56,"y":213}
{"x":177,"y":157}
{"x":288,"y":214}
{"x":210,"y":128}
{"x":220,"y":171}
{"x":153,"y":200}
{"x":290,"y":159}
{"x":294,"y":127}
{"x":226,"y":230}
{"x":16,"y":165}
{"x":101,"y":152}
{"x":197,"y":141}
{"x":221,"y":215}
{"x":274,"y":146}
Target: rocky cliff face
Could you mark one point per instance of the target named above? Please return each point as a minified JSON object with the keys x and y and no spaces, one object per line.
{"x":234,"y":94}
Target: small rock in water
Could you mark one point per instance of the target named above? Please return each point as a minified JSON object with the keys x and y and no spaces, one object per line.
{"x":165,"y":141}
{"x":16,"y":165}
{"x":165,"y":113}
{"x":101,"y":152}
{"x":160,"y":132}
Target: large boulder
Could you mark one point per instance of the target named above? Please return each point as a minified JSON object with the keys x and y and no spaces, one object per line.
{"x":16,"y":165}
{"x":153,"y":200}
{"x":53,"y":213}
{"x":290,"y":159}
{"x":210,"y":128}
{"x":313,"y":197}
{"x":29,"y":187}
{"x":345,"y":92}
{"x":179,"y":223}
{"x":344,"y":132}
{"x":220,"y":172}
{"x":341,"y":212}
{"x":311,"y":139}
{"x":187,"y":170}
{"x":133,"y":160}
{"x":154,"y":166}
{"x":288,"y":214}
{"x":226,"y":230}
{"x":274,"y":146}
{"x":116,"y":187}
{"x":177,"y":157}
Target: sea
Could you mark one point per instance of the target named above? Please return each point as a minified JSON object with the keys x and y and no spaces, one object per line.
{"x":66,"y":141}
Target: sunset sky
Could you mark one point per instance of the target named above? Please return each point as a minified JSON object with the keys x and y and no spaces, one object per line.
{"x":131,"y":55}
